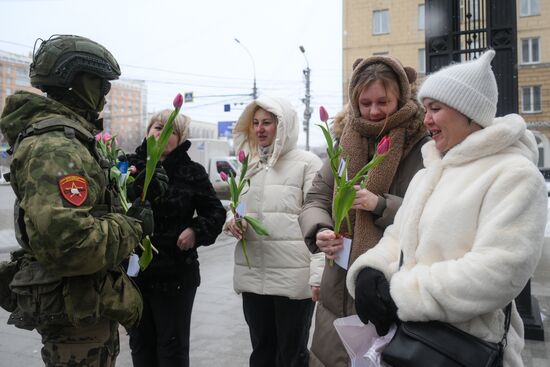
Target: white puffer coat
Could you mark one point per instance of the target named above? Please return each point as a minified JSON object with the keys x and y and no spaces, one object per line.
{"x":471,"y":228}
{"x":281,"y":263}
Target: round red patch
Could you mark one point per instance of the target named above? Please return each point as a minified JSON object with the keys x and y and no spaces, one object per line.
{"x":74,"y":189}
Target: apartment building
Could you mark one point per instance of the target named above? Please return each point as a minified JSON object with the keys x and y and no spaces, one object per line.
{"x":14,"y":75}
{"x":396,"y":27}
{"x":124,"y":115}
{"x":125,"y":112}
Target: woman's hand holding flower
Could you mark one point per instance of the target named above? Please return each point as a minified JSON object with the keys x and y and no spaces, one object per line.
{"x":364,"y":199}
{"x":329,"y":243}
{"x":235,"y":230}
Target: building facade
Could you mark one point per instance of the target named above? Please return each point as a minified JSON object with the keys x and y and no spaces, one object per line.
{"x":203,"y":129}
{"x":125,"y":112}
{"x":396,"y":27}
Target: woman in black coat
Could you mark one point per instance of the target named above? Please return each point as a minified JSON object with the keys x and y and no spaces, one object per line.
{"x":170,"y":282}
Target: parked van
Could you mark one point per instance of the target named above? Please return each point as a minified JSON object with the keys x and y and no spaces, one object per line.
{"x":214,"y":156}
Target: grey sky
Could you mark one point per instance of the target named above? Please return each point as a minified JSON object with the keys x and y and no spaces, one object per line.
{"x":183,"y":46}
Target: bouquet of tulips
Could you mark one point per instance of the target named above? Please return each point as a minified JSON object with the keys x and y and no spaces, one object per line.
{"x":155,"y":148}
{"x":236,"y":189}
{"x":107,"y":145}
{"x":345,"y":191}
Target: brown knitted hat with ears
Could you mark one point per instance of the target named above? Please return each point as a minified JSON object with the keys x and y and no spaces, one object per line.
{"x":405,"y":74}
{"x":356,"y":62}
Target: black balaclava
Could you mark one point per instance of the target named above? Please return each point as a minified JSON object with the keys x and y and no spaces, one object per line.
{"x":86,"y":96}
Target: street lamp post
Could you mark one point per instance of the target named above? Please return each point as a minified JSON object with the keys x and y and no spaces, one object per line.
{"x":254,"y":89}
{"x":306,"y":100}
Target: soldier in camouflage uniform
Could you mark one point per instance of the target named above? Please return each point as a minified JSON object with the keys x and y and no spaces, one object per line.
{"x":70,"y":286}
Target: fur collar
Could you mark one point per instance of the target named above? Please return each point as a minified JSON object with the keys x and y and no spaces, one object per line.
{"x":506,"y":134}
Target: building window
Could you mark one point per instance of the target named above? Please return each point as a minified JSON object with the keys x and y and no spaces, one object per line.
{"x":421,"y":18}
{"x":470,"y":10}
{"x":422,"y":60}
{"x":530,"y":52}
{"x":381,"y":21}
{"x":531,"y":102}
{"x":381,"y":53}
{"x":21,"y":76}
{"x":529,"y":7}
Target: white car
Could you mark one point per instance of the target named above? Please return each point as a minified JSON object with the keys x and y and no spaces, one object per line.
{"x":2,"y":171}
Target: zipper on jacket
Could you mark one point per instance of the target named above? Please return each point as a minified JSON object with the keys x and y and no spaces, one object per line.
{"x":260,"y":218}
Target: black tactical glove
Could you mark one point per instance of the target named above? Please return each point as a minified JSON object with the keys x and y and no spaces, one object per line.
{"x":141,"y":210}
{"x":373,"y":301}
{"x":157,"y":187}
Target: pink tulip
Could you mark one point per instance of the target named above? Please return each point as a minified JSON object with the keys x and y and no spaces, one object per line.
{"x":106,"y":137}
{"x":178,"y":101}
{"x":223,"y":176}
{"x":99,"y":137}
{"x":384,"y":145}
{"x":323,"y":114}
{"x":242,"y":156}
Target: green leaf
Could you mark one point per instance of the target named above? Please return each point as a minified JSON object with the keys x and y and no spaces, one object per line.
{"x":242,"y":184}
{"x":114,"y":149}
{"x":155,"y":148}
{"x":256,"y":225}
{"x":244,"y":168}
{"x":245,"y":252}
{"x":343,"y":201}
{"x":147,"y":255}
{"x":233,"y":190}
{"x":328,"y":136}
{"x":150,"y":164}
{"x":375,"y":161}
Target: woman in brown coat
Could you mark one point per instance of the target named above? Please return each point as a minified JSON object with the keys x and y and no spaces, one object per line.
{"x":381,"y":103}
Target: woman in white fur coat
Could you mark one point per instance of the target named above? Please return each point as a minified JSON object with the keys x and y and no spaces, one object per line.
{"x":471,"y":226}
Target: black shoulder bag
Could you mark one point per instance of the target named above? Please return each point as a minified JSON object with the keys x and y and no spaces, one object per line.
{"x":438,"y":344}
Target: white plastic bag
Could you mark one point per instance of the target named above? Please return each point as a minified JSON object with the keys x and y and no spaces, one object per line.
{"x":362,"y":342}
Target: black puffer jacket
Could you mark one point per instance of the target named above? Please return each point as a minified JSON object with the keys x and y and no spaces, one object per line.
{"x":189,"y":191}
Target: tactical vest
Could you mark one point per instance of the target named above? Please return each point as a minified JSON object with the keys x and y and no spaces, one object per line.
{"x":45,"y":299}
{"x":72,"y":130}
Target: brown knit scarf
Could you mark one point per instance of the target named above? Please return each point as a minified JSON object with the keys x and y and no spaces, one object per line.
{"x":359,"y":140}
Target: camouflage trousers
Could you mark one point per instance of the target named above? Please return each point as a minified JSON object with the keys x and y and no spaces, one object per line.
{"x":90,"y":346}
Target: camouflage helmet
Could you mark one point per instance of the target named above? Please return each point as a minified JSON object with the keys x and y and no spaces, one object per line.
{"x":60,"y":58}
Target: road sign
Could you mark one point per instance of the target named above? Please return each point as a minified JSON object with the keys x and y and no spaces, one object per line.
{"x":225,"y":129}
{"x":188,"y":97}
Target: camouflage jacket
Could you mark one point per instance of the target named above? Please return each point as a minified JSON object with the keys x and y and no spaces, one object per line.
{"x":66,"y":234}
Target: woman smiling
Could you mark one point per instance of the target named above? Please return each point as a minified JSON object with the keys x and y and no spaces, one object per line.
{"x":471,"y":226}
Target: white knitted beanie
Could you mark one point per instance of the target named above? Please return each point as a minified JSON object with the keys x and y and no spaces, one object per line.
{"x":469,"y":87}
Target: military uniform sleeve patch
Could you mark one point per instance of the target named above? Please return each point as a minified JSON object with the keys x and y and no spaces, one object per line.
{"x":74,"y":189}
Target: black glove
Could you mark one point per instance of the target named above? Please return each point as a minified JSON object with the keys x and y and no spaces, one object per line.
{"x":141,"y":210}
{"x":373,"y":301}
{"x":157,"y":187}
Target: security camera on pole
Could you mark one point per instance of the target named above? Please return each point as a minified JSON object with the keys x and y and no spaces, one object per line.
{"x":308,"y":110}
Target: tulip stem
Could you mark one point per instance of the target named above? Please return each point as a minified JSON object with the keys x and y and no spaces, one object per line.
{"x":152,"y":247}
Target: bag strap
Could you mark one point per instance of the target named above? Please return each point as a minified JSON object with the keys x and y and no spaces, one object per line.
{"x":72,"y":130}
{"x":507,"y":319}
{"x":507,"y":313}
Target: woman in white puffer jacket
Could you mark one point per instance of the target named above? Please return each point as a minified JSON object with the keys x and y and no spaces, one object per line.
{"x":277,"y":299}
{"x":471,"y":226}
